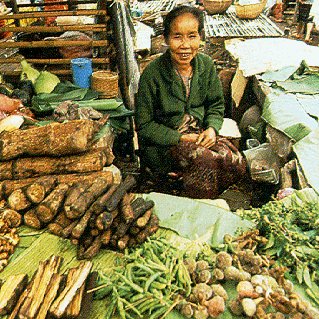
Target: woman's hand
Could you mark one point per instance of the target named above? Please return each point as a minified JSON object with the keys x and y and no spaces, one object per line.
{"x":207,"y":138}
{"x":192,"y":137}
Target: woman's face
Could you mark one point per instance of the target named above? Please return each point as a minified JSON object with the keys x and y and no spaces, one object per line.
{"x":184,"y":39}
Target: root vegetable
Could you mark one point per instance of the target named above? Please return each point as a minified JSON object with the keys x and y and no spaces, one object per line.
{"x":31,"y":219}
{"x":201,"y":313}
{"x":232,"y":273}
{"x":217,"y":274}
{"x":204,"y":276}
{"x":223,"y":260}
{"x":118,"y":194}
{"x":202,"y":292}
{"x":126,"y":208}
{"x":18,"y":200}
{"x":215,"y":306}
{"x":187,"y":310}
{"x":245,"y":289}
{"x":219,"y":291}
{"x":249,"y":306}
{"x":123,"y":242}
{"x":105,"y":237}
{"x":55,"y":229}
{"x":85,"y":199}
{"x":13,"y":218}
{"x":190,"y":264}
{"x":51,"y":205}
{"x":149,"y":229}
{"x":244,"y":275}
{"x":202,"y":265}
{"x":236,"y":307}
{"x":143,"y":220}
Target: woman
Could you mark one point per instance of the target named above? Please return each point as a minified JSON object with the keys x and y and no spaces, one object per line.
{"x":180,"y":98}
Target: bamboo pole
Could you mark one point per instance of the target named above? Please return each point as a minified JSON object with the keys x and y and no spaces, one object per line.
{"x":57,"y":72}
{"x":53,"y":43}
{"x":52,"y":61}
{"x":41,"y":14}
{"x":60,"y":28}
{"x":32,"y":5}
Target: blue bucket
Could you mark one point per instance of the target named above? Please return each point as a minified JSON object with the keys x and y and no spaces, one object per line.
{"x":82,"y":71}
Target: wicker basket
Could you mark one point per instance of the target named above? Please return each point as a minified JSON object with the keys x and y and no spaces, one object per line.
{"x":249,"y":11}
{"x":216,"y":6}
{"x":105,"y":83}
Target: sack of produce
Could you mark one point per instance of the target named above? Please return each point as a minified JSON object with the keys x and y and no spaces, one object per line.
{"x":71,"y":52}
{"x":208,"y":172}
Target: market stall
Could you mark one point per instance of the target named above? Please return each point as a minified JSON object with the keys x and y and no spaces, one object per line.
{"x":78,"y":241}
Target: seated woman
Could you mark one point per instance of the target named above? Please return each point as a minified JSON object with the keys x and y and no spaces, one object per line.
{"x":180,"y":104}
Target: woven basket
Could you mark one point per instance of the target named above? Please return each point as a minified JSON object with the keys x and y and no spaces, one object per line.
{"x":105,"y":83}
{"x":249,"y":11}
{"x":216,"y":6}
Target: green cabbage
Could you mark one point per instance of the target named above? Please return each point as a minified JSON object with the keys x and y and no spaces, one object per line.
{"x":46,"y":82}
{"x":28,"y":72}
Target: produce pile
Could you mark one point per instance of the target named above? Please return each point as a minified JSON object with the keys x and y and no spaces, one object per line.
{"x":48,"y":293}
{"x":157,"y":278}
{"x":92,"y":213}
{"x":40,"y":95}
{"x":9,"y":238}
{"x":292,"y":233}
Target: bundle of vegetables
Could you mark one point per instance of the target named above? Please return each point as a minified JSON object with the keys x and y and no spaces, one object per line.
{"x":292,"y":233}
{"x":46,"y":103}
{"x":89,"y":209}
{"x":48,"y":293}
{"x":150,"y":284}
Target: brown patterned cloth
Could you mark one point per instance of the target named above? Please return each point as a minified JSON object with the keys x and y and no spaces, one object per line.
{"x":206,"y":173}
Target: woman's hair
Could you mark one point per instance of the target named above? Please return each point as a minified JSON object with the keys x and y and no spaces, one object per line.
{"x":178,"y":11}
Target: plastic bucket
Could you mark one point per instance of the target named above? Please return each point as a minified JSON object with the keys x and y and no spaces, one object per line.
{"x":81,"y":72}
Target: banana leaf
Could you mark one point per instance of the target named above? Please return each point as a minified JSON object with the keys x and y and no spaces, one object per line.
{"x":307,"y":85}
{"x":307,"y":153}
{"x":195,"y":219}
{"x":284,"y":112}
{"x":49,"y":103}
{"x":310,"y":104}
{"x":278,"y":75}
{"x":306,"y":195}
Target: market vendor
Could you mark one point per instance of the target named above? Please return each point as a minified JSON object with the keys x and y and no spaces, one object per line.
{"x":180,"y":98}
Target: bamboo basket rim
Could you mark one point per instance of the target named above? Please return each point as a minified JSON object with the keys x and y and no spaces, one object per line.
{"x":249,"y":11}
{"x":101,"y":74}
{"x":216,"y":6}
{"x":105,"y":82}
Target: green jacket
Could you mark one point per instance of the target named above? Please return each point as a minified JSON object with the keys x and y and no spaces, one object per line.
{"x":161,"y":100}
{"x":161,"y":103}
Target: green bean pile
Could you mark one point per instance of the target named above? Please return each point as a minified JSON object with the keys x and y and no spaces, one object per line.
{"x":152,"y":282}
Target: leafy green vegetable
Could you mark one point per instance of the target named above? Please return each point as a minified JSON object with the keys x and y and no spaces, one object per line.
{"x":28,"y":72}
{"x":45,"y":82}
{"x":292,"y":228}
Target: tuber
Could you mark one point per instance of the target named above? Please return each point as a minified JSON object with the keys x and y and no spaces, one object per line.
{"x":245,"y":289}
{"x":215,"y":306}
{"x":219,"y":291}
{"x":223,"y":260}
{"x":202,"y":292}
{"x":249,"y":306}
